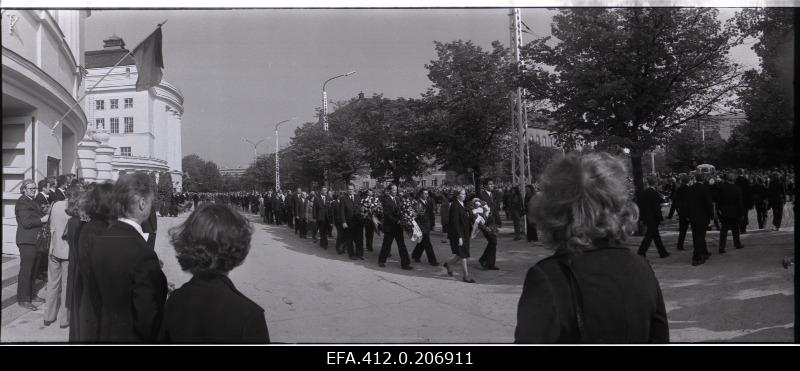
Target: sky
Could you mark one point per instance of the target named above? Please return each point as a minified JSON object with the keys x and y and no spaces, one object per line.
{"x":242,"y":71}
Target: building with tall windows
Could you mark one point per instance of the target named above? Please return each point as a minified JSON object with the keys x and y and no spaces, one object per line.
{"x":42,"y":53}
{"x":139,"y":130}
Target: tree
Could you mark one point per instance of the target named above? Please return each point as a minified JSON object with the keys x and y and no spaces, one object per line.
{"x":468,"y":115}
{"x":627,"y":77}
{"x":685,"y":149}
{"x":768,"y":100}
{"x":200,"y":175}
{"x":540,"y":158}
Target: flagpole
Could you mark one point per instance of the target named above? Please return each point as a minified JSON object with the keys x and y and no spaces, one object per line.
{"x":86,"y":93}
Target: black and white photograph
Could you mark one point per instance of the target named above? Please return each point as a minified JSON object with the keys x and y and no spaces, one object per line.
{"x":583,"y":172}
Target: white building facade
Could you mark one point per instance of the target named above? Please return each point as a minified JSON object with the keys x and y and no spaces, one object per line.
{"x":140,"y":130}
{"x":42,"y":55}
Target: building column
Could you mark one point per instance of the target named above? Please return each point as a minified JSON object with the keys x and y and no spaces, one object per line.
{"x":87,"y":156}
{"x":105,"y":155}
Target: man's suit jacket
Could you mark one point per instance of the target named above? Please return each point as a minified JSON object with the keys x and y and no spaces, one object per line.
{"x":730,"y":203}
{"x":747,"y":193}
{"x":333,"y":212}
{"x":42,"y":199}
{"x":131,"y":286}
{"x":209,"y":309}
{"x":275,"y":203}
{"x":321,"y":209}
{"x":776,"y":193}
{"x":349,"y":210}
{"x":29,"y":220}
{"x":391,"y":214}
{"x":490,"y":200}
{"x":427,"y":218}
{"x":679,"y":200}
{"x":459,"y":225}
{"x":299,"y":206}
{"x":650,"y":207}
{"x":698,"y":198}
{"x":58,"y":195}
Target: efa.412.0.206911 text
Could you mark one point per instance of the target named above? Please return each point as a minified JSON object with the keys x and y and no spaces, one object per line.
{"x":399,"y":358}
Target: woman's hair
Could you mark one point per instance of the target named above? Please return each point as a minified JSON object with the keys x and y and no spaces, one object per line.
{"x":74,"y":194}
{"x":214,"y":239}
{"x":97,"y":201}
{"x":127,"y":191}
{"x":584,"y":200}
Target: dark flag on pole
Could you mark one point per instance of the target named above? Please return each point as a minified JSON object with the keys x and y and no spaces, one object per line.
{"x":149,"y":61}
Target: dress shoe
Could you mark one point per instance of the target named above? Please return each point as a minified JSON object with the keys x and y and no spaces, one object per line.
{"x":407,"y":267}
{"x":493,"y":268}
{"x":739,"y":247}
{"x":38,"y":300}
{"x":28,"y":305}
{"x":696,"y":262}
{"x":483,"y":263}
{"x":449,"y":272}
{"x":664,"y":256}
{"x":468,"y":280}
{"x":381,"y":265}
{"x":48,"y":323}
{"x":416,"y":260}
{"x":721,"y":251}
{"x":435,"y":264}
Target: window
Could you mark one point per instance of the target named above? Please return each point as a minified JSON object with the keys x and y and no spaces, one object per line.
{"x":100,"y":124}
{"x":424,"y":183}
{"x":99,"y":105}
{"x":434,"y":182}
{"x":128,"y":102}
{"x":114,"y":125}
{"x":125,"y":151}
{"x":366,"y":184}
{"x":113,"y":103}
{"x":129,"y":125}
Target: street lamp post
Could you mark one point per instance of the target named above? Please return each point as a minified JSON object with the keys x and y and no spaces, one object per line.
{"x":325,"y":99}
{"x":277,"y":164}
{"x":255,"y":152}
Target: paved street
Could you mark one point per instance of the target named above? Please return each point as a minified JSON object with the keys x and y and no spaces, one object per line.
{"x":311,"y":295}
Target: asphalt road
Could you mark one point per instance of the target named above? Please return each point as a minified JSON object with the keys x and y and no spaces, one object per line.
{"x":312,"y":295}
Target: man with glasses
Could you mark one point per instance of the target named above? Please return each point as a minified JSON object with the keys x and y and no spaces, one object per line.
{"x":30,"y":219}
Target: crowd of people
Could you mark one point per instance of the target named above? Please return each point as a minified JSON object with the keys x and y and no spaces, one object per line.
{"x":105,"y":282}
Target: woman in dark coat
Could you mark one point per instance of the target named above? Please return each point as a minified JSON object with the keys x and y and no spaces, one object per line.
{"x":125,"y":273}
{"x":593,"y":289}
{"x":209,"y":309}
{"x":95,"y":214}
{"x":458,"y":232}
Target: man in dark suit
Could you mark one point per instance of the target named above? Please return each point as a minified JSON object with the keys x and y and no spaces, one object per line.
{"x":426,"y":221}
{"x":369,"y":228}
{"x":650,"y":214}
{"x":747,"y":199}
{"x":288,"y":205}
{"x":275,"y":203}
{"x":43,"y":196}
{"x":30,"y":220}
{"x":392,"y":230}
{"x":297,"y":210}
{"x":487,"y":260}
{"x":700,"y":212}
{"x":776,"y":197}
{"x":350,"y":216}
{"x":731,"y":209}
{"x":268,"y":210}
{"x":59,"y":194}
{"x":321,"y":205}
{"x":680,"y":205}
{"x":131,"y":288}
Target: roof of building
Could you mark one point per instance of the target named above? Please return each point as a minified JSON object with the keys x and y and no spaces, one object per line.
{"x":107,"y":58}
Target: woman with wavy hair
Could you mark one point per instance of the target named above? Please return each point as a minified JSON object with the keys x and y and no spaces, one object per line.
{"x":209,"y":309}
{"x":593,"y":289}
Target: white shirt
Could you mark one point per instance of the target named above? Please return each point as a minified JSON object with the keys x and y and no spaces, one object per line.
{"x":136,"y":226}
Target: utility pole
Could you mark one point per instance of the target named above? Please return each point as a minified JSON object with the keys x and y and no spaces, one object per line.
{"x":520,"y":160}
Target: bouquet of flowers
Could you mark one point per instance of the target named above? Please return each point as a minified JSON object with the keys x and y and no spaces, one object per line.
{"x":481,"y":211}
{"x":372,"y":210}
{"x":408,"y":212}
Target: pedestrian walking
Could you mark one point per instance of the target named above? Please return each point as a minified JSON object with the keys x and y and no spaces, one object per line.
{"x":352,"y":230}
{"x":458,"y":233}
{"x":731,"y":209}
{"x":532,"y":234}
{"x":209,"y":308}
{"x":679,"y":203}
{"x":392,"y":230}
{"x":593,"y":289}
{"x":489,"y":256}
{"x":426,"y":219}
{"x":700,"y":213}
{"x":58,"y":262}
{"x":650,"y":214}
{"x":747,"y":200}
{"x":320,"y":211}
{"x":776,"y":197}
